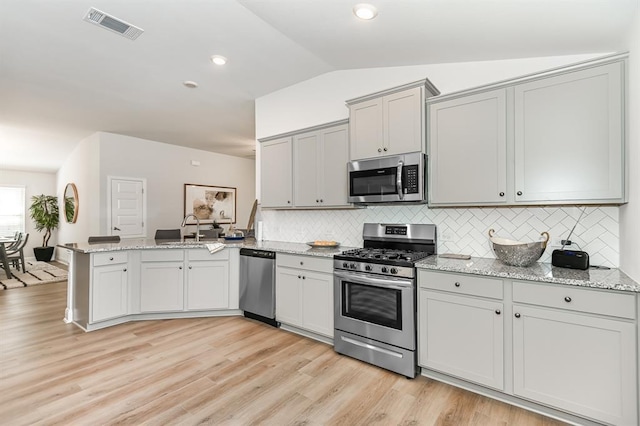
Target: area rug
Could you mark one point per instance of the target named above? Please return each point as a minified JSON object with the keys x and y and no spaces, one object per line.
{"x":37,"y":273}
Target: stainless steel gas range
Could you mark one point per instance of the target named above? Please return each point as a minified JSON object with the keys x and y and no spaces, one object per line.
{"x":375,"y":295}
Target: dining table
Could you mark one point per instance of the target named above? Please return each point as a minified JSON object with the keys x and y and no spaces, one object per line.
{"x":3,"y":254}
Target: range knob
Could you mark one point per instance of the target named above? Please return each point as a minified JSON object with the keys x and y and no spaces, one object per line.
{"x":352,"y":266}
{"x":384,"y":270}
{"x":345,"y":265}
{"x":394,"y":270}
{"x":368,"y":268}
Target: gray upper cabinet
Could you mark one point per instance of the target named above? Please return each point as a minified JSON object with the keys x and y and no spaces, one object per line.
{"x":468,"y":149}
{"x":552,"y":138}
{"x":320,"y":167}
{"x":569,"y":137}
{"x":276,"y":173}
{"x":307,"y":168}
{"x":389,"y":122}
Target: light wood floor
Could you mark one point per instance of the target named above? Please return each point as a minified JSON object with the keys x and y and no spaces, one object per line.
{"x":205,"y":371}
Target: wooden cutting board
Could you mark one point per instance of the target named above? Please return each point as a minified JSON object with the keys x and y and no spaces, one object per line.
{"x":252,"y":216}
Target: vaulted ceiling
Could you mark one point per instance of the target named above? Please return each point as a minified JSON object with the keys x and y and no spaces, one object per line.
{"x":62,"y":79}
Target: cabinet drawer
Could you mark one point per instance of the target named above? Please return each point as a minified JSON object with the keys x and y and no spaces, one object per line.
{"x":110,"y":258}
{"x":576,"y":299}
{"x":203,"y":254}
{"x":311,"y":263}
{"x":462,"y":284}
{"x":161,"y":255}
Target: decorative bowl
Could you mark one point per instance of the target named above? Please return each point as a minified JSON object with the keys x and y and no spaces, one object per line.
{"x":516,"y":253}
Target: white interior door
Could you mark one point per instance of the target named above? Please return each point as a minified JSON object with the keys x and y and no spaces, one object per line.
{"x":127,"y":207}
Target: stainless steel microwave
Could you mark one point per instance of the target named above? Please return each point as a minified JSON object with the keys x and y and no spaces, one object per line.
{"x":393,"y":179}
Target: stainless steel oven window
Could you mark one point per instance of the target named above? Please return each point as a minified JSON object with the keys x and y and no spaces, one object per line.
{"x":377,"y":305}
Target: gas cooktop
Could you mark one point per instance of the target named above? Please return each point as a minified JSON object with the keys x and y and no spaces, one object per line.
{"x":380,"y":255}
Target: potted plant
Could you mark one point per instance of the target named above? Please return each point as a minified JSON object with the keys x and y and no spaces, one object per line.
{"x":45,"y":213}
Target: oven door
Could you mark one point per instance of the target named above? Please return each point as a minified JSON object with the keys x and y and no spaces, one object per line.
{"x":378,"y":308}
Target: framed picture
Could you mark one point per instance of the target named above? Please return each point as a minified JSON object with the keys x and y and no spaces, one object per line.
{"x":209,"y":203}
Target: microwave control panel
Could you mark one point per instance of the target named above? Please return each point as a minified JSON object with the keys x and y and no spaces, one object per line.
{"x":410,"y":179}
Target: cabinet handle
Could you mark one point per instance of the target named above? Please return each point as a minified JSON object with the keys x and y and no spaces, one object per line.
{"x":519,"y":193}
{"x":517,"y":315}
{"x":304,"y":278}
{"x":498,"y":312}
{"x":457,"y":284}
{"x":502,"y":194}
{"x":179,"y":267}
{"x":567,"y":299}
{"x":317,"y":201}
{"x":288,"y":202}
{"x":299,"y":276}
{"x":124,"y":270}
{"x":301,"y":262}
{"x":111,"y":258}
{"x":384,"y":149}
{"x":321,"y":200}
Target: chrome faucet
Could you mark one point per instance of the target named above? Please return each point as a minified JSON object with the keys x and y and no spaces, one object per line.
{"x":184,"y":223}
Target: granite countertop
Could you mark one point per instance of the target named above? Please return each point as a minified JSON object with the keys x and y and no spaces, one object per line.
{"x":610,"y":279}
{"x":150,"y":244}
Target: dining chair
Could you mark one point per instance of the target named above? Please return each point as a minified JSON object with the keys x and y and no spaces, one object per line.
{"x":104,"y":239}
{"x":16,"y":237}
{"x":168,"y":234}
{"x":16,"y":254}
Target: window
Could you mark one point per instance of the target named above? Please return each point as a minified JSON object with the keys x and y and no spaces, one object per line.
{"x":12,"y":209}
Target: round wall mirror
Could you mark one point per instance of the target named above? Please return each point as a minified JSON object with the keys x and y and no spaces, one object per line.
{"x":71,"y":203}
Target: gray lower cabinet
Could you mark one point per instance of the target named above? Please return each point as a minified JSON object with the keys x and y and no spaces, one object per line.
{"x":568,"y":348}
{"x":580,"y":359}
{"x":304,"y":293}
{"x":460,"y":333}
{"x":109,"y":286}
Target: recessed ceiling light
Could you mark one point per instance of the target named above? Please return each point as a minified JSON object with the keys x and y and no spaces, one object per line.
{"x":218,"y":60}
{"x":190,"y":84}
{"x":365,"y":11}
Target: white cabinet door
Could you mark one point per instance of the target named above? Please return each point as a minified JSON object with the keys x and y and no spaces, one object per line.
{"x":161,"y":286}
{"x":276,"y":173}
{"x":402,"y":122}
{"x":332,"y":178}
{"x":306,"y":160}
{"x":462,"y":336}
{"x":365,"y":129}
{"x":468,"y":150}
{"x":317,"y":302}
{"x":289,"y":296}
{"x":207,"y":285}
{"x":577,"y":363}
{"x":109,"y":290}
{"x":569,"y":137}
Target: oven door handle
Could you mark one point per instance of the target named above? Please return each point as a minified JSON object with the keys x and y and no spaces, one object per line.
{"x":399,"y":180}
{"x":390,"y":282}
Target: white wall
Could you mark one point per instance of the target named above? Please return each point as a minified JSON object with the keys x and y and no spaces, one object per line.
{"x":166,"y":169}
{"x":322,"y":99}
{"x":80,"y":168}
{"x":630,"y":213}
{"x":35,"y":183}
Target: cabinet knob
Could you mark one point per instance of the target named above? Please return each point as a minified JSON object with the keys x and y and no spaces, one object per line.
{"x":179,"y":267}
{"x":457,"y":284}
{"x":321,"y":200}
{"x":124,"y":270}
{"x":190,"y":267}
{"x":519,"y":193}
{"x":301,"y":262}
{"x":317,"y":201}
{"x":502,"y":194}
{"x":498,"y":312}
{"x":567,"y":299}
{"x":111,"y":258}
{"x":517,"y":315}
{"x":288,"y":202}
{"x":379,"y":149}
{"x":384,"y":149}
{"x":303,"y":277}
{"x":299,"y":276}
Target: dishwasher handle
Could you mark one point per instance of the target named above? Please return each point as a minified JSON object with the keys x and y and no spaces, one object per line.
{"x":257,"y":253}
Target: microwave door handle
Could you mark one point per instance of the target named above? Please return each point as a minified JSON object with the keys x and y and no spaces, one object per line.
{"x":399,"y":180}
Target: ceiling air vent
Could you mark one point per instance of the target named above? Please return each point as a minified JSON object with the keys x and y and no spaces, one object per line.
{"x":112,"y":23}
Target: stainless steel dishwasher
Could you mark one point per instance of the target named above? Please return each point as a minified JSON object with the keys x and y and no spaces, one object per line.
{"x":257,"y":285}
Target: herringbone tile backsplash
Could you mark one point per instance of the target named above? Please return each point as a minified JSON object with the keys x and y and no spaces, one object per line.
{"x":459,"y":230}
